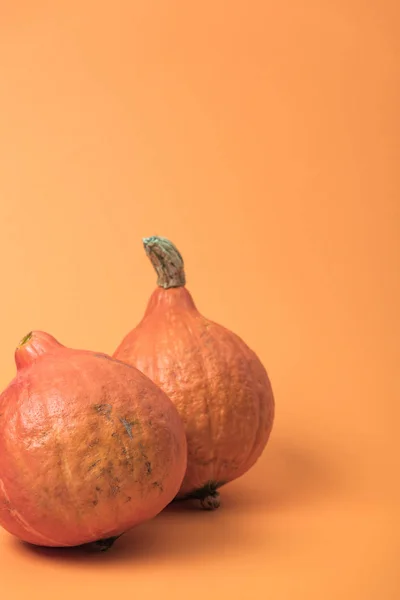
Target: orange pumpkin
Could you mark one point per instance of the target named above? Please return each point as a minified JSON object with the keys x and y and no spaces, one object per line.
{"x":218,"y":384}
{"x":89,"y":446}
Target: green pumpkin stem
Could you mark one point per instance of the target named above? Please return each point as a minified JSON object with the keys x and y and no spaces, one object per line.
{"x":167,"y":262}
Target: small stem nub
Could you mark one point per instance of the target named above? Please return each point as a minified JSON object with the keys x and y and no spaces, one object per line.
{"x":25,"y":339}
{"x":166,"y":260}
{"x":105,"y":544}
{"x":211,"y":502}
{"x":208,"y":495}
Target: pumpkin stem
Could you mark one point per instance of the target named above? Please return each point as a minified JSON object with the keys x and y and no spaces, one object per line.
{"x":33,"y":345}
{"x":25,"y":339}
{"x":166,"y":260}
{"x":211,"y":502}
{"x":105,"y":544}
{"x":208,"y":495}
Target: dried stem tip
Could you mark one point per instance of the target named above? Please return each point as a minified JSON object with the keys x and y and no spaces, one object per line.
{"x":166,"y":260}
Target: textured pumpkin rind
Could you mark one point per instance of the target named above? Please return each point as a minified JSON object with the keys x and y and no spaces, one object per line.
{"x":218,"y":384}
{"x":88,"y":461}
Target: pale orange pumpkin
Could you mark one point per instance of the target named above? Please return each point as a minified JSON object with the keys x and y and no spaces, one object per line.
{"x":218,"y":384}
{"x":89,"y":446}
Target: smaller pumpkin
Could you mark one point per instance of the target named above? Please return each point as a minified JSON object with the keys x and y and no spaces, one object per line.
{"x":218,"y":384}
{"x":89,"y":446}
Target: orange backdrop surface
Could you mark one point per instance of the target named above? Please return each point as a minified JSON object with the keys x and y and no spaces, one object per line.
{"x":263,"y":139}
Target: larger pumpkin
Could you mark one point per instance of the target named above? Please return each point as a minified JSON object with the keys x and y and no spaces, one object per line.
{"x":218,"y":384}
{"x":89,"y":446}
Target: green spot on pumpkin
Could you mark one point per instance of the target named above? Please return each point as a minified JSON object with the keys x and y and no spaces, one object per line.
{"x":93,"y":465}
{"x":158,"y":485}
{"x":103,"y":409}
{"x":128,"y":426}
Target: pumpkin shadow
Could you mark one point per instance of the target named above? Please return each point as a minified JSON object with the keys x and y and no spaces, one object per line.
{"x":287,"y":477}
{"x":297,"y":475}
{"x":173,"y":535}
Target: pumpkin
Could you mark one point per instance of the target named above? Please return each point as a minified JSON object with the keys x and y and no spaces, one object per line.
{"x":89,"y":446}
{"x":218,"y":384}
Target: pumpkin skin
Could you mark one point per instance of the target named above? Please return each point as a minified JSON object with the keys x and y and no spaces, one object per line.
{"x":89,"y":447}
{"x":218,"y":384}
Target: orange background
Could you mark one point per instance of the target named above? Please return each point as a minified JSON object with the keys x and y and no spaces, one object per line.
{"x":263,"y":139}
